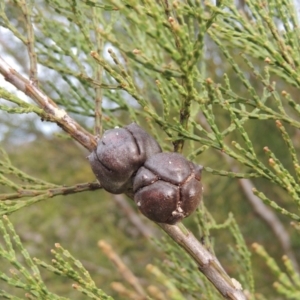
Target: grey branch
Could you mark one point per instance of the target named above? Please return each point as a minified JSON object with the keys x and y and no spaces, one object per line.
{"x":133,"y":217}
{"x":270,"y":218}
{"x":208,"y":264}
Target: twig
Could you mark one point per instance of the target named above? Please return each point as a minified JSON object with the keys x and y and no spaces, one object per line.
{"x":122,"y":268}
{"x":52,"y":192}
{"x":126,"y":293}
{"x":55,"y":113}
{"x":98,"y":77}
{"x":263,"y":211}
{"x":30,"y":42}
{"x":268,"y":216}
{"x":207,"y":262}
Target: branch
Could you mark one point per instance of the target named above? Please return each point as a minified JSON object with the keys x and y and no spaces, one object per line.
{"x":208,"y":263}
{"x":263,"y":211}
{"x":55,"y":114}
{"x":266,"y":214}
{"x":12,"y":202}
{"x":123,"y":269}
{"x":98,"y":76}
{"x":51,"y":192}
{"x":133,"y":217}
{"x":270,"y":218}
{"x":27,"y":11}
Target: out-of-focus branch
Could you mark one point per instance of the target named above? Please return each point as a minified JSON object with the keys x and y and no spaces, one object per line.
{"x":122,"y":268}
{"x":268,"y":216}
{"x":133,"y":217}
{"x":56,"y":114}
{"x":263,"y":211}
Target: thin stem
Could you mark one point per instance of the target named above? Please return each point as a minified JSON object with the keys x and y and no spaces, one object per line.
{"x":51,"y":192}
{"x":98,"y":77}
{"x":30,"y":42}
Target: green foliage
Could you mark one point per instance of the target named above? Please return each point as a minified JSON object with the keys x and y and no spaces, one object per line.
{"x":29,"y":189}
{"x":217,"y":82}
{"x":288,"y":283}
{"x":26,"y":275}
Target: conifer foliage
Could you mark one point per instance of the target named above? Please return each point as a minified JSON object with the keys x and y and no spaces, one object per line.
{"x":216,"y":81}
